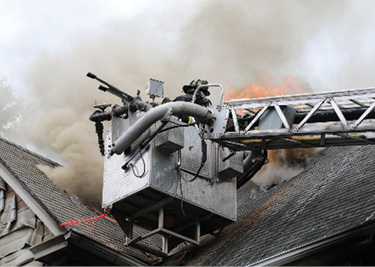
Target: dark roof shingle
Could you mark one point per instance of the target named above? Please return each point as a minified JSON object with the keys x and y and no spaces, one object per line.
{"x":334,"y":194}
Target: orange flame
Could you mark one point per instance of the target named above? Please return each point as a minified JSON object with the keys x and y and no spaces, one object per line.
{"x":267,"y":87}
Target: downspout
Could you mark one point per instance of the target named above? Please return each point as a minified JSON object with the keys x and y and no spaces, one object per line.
{"x":152,"y":116}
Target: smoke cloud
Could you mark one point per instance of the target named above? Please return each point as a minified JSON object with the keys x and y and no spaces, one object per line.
{"x":323,"y":44}
{"x":284,"y":164}
{"x":81,"y":173}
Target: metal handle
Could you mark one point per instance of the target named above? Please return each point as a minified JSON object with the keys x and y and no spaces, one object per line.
{"x":209,"y":85}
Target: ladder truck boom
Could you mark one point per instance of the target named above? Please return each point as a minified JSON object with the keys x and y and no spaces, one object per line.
{"x":172,"y":170}
{"x":307,"y":120}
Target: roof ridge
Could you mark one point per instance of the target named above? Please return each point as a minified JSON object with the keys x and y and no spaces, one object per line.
{"x":30,"y":152}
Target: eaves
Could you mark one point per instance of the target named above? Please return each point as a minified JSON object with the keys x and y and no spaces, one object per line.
{"x":56,"y":247}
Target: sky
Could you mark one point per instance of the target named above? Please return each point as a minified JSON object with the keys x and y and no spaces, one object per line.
{"x":48,"y":46}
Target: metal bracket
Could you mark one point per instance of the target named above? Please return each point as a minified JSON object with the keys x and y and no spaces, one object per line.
{"x":166,"y":234}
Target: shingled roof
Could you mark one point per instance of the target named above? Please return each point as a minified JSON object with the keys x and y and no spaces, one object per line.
{"x":330,"y":200}
{"x":22,"y":164}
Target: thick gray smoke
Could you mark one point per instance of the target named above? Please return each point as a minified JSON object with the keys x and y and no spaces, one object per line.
{"x":284,"y":164}
{"x":326,"y":43}
{"x":319,"y":42}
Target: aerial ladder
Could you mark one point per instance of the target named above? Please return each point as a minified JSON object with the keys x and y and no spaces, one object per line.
{"x":305,"y":120}
{"x":169,"y":182}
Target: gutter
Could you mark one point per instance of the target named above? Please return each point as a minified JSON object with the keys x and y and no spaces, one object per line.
{"x":56,"y":248}
{"x":51,"y":249}
{"x":111,"y":255}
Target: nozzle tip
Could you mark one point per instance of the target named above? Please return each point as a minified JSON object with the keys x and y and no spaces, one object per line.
{"x":91,"y":75}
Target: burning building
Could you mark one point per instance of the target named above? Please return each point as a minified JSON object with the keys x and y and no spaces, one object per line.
{"x":169,"y":206}
{"x":323,"y":216}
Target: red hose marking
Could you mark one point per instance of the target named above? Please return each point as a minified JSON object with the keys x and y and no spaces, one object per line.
{"x":181,"y":258}
{"x":86,"y":220}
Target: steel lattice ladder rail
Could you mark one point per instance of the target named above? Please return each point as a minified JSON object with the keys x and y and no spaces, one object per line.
{"x":352,"y":109}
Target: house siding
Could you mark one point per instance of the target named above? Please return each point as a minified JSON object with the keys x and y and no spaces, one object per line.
{"x":20,"y":229}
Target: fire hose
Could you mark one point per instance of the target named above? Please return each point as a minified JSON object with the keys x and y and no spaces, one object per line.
{"x":86,"y":220}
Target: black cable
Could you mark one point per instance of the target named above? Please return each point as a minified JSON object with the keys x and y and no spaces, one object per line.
{"x":152,"y":136}
{"x":197,"y":173}
{"x":143,"y":145}
{"x":204,"y":159}
{"x":134,"y":168}
{"x":182,"y":196}
{"x":181,"y":125}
